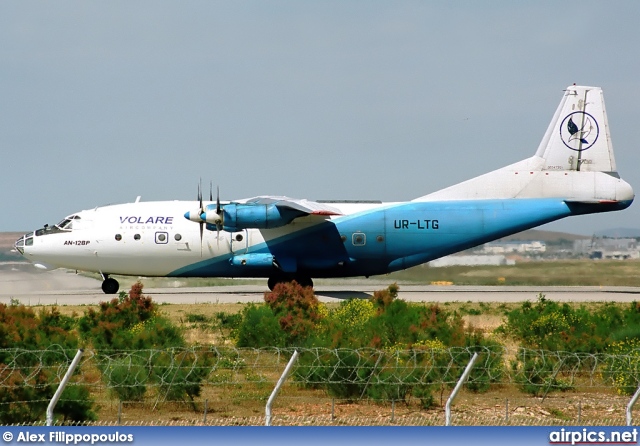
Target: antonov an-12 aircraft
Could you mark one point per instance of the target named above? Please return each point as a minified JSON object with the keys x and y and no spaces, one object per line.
{"x":573,"y":172}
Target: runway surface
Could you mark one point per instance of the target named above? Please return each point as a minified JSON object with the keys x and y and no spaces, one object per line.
{"x":30,"y":286}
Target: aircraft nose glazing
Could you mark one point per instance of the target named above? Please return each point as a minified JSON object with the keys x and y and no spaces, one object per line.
{"x":22,"y":242}
{"x":19,"y":245}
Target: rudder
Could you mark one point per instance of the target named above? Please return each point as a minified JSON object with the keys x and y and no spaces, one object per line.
{"x":578,"y":136}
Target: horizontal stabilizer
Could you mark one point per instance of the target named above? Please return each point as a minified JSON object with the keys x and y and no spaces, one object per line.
{"x":591,"y":201}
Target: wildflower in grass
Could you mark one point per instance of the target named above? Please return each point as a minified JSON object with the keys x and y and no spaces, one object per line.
{"x":623,"y":366}
{"x":353,"y":313}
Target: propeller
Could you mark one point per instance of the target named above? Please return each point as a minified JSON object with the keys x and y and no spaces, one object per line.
{"x":220,"y":219}
{"x":219,"y":215}
{"x":197,"y":216}
{"x":200,"y":216}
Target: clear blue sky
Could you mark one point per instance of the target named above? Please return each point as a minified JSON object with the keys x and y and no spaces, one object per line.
{"x":104,"y":101}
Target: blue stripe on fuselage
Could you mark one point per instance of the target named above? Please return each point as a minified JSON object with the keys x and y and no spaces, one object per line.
{"x":395,"y":237}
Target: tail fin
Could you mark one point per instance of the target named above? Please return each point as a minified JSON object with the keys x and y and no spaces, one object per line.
{"x":578,"y":136}
{"x":574,"y":161}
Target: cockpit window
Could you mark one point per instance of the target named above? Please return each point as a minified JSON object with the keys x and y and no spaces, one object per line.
{"x":63,"y":226}
{"x":67,"y":223}
{"x":64,"y":223}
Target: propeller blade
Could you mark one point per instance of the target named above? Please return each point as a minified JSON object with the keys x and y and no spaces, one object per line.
{"x":219,"y":220}
{"x":217,"y":200}
{"x":200,"y":213}
{"x":210,"y":190}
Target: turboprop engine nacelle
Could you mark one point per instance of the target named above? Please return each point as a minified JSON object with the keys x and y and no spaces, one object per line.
{"x":238,"y":216}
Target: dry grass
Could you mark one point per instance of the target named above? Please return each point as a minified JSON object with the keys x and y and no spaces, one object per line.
{"x":532,"y":273}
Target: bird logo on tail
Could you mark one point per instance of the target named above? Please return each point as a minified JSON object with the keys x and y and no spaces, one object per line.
{"x":579,"y":131}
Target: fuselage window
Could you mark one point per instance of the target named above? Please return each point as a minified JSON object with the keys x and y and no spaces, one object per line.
{"x":178,"y":237}
{"x":239,"y":237}
{"x":358,"y":239}
{"x":380,"y":238}
{"x":136,"y":237}
{"x":343,"y":238}
{"x":118,"y":237}
{"x":162,"y":238}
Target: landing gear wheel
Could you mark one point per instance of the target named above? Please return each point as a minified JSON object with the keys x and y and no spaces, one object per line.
{"x":273,"y":281}
{"x":304,"y":281}
{"x":110,"y":286}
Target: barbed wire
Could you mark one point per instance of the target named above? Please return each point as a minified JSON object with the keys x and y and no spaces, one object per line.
{"x":540,"y":370}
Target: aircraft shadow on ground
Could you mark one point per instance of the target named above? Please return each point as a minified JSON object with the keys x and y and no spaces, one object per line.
{"x":344,"y":295}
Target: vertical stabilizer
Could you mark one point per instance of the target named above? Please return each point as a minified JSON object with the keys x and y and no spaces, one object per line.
{"x":578,"y":136}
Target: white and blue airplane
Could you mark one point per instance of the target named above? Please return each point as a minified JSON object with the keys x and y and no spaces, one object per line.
{"x":573,"y":172}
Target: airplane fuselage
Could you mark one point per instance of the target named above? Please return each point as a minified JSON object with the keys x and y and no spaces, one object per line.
{"x":573,"y":172}
{"x":153,"y":238}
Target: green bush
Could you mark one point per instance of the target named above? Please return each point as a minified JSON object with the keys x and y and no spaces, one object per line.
{"x":260,"y":327}
{"x":539,"y":372}
{"x":126,"y":377}
{"x":291,"y":314}
{"x":550,"y":326}
{"x":35,"y":351}
{"x":342,"y":373}
{"x":76,"y":404}
{"x":194,"y":318}
{"x":414,"y":347}
{"x":132,"y":322}
{"x":180,"y":373}
{"x":623,"y":367}
{"x":231,"y":321}
{"x":489,"y":368}
{"x":124,"y":323}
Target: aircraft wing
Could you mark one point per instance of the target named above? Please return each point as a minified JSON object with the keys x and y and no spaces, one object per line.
{"x":301,"y":205}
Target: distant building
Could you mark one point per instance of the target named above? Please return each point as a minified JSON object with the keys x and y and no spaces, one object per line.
{"x":514,"y":247}
{"x":608,"y":248}
{"x":471,"y":260}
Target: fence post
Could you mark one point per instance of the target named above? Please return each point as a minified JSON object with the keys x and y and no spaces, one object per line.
{"x":506,"y":410}
{"x":277,"y":388}
{"x":393,"y":410}
{"x":63,"y":384}
{"x":579,"y":411}
{"x":461,"y":381}
{"x":630,"y":405}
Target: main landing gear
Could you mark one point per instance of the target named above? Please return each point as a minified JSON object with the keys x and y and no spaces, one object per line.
{"x":304,"y":281}
{"x":109,"y":285}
